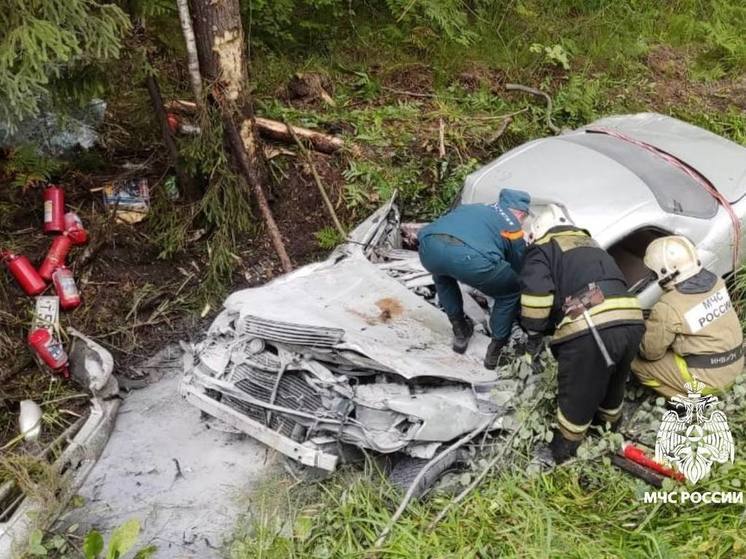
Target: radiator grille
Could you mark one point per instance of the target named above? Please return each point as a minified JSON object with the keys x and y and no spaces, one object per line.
{"x":293,"y":392}
{"x":289,"y":333}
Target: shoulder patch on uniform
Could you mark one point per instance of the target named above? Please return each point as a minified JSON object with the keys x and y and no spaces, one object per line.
{"x":708,"y":311}
{"x":570,"y":242}
{"x":512,"y":235}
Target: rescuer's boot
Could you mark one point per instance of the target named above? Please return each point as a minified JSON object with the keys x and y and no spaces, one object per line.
{"x":494,"y":353}
{"x":541,"y":459}
{"x":462,"y":331}
{"x":602,"y":420}
{"x":562,"y":449}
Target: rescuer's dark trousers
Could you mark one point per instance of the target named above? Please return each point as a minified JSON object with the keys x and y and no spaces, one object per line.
{"x":587,"y":388}
{"x":451,"y":261}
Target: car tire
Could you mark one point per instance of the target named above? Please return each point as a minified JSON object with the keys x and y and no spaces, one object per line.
{"x":406,"y":469}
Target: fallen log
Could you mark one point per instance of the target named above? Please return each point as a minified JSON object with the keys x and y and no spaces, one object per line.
{"x":275,"y":130}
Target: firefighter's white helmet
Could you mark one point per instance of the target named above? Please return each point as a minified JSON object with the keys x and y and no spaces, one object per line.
{"x":674,"y":259}
{"x":550,"y":216}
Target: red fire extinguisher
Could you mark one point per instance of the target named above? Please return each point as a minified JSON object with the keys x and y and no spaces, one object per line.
{"x":67,"y":291}
{"x":173,"y":121}
{"x":54,"y":209}
{"x":56,"y":256}
{"x":638,"y":455}
{"x":24,"y":273}
{"x":74,"y":229}
{"x":50,"y":350}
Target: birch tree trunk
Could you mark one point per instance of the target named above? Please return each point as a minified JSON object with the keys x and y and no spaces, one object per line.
{"x":221,"y":49}
{"x":191,"y":46}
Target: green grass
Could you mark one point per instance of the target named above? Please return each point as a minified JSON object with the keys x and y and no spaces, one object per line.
{"x":587,"y":509}
{"x":604,"y":45}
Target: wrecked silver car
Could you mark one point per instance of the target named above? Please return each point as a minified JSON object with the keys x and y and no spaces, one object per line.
{"x":354,"y":349}
{"x":350,"y":349}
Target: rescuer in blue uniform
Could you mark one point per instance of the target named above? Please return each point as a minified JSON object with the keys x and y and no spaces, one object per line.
{"x":480,"y":245}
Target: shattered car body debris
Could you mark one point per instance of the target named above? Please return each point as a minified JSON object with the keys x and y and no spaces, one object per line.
{"x":354,"y":349}
{"x":351,"y":349}
{"x":75,"y":451}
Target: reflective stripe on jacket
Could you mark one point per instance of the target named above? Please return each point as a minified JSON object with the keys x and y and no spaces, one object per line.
{"x":695,"y":324}
{"x":561,"y":264}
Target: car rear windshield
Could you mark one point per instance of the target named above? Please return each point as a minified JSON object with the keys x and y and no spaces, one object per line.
{"x":675,"y":191}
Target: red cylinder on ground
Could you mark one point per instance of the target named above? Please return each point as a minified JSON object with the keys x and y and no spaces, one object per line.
{"x":637,"y":455}
{"x":56,"y":256}
{"x":74,"y":229}
{"x":49,"y":350}
{"x":54,"y":209}
{"x":64,"y":286}
{"x":173,"y":121}
{"x":24,"y":272}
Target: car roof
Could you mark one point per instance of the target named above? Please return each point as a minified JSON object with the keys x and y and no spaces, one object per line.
{"x":592,"y":187}
{"x":600,"y":178}
{"x":719,"y":160}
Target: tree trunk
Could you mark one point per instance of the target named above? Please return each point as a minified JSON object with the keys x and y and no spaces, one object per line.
{"x":191,"y":47}
{"x":187,"y":185}
{"x":223,"y":63}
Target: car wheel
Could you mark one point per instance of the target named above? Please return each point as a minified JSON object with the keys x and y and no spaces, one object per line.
{"x":406,"y":469}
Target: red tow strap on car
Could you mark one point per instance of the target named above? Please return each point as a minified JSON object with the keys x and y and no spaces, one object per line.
{"x":707,"y":185}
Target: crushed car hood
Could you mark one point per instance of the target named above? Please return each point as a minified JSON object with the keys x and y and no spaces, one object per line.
{"x":377,"y":316}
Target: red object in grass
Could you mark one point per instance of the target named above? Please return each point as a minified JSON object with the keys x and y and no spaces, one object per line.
{"x":54,"y":209}
{"x":24,"y":272}
{"x":49,"y":350}
{"x":74,"y":229}
{"x":56,"y":256}
{"x":173,"y":121}
{"x":637,"y":455}
{"x":64,"y":286}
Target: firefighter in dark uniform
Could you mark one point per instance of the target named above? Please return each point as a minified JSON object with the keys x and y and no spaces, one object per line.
{"x":565,"y":272}
{"x":480,"y":245}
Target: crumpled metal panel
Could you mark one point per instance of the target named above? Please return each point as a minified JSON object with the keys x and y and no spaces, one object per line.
{"x":326,"y":351}
{"x":292,"y":392}
{"x":380,"y":317}
{"x":446,"y":412}
{"x":265,"y":361}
